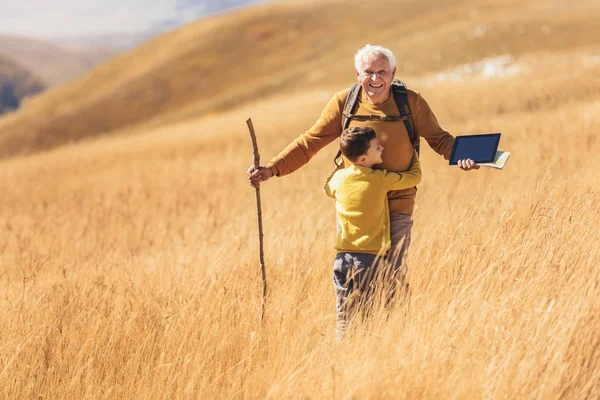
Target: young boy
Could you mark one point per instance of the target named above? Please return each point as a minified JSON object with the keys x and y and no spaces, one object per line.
{"x":363,"y":231}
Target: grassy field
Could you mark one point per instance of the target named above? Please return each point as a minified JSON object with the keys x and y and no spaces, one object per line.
{"x":129,"y":263}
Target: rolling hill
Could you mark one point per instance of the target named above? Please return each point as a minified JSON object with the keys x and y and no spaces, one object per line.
{"x":227,"y":60}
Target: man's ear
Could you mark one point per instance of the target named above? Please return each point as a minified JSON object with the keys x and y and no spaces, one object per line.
{"x":394,"y":72}
{"x":357,"y":75}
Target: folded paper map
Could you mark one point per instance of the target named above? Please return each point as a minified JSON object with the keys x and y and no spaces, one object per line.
{"x":499,"y":160}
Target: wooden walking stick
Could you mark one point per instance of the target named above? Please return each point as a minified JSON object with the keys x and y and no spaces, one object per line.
{"x":259,"y":214}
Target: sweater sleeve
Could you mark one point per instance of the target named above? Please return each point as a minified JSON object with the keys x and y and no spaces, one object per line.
{"x":427,"y":126}
{"x":327,"y":128}
{"x":330,"y":184}
{"x":403,"y":180}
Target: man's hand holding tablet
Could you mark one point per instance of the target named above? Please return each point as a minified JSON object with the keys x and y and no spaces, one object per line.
{"x":467,"y":165}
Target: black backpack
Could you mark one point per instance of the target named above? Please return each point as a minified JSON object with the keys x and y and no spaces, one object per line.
{"x":399,"y":92}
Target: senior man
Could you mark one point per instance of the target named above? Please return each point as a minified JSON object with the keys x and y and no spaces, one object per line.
{"x":375,"y":105}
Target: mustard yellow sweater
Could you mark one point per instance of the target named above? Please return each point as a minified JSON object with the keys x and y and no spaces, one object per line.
{"x":392,"y":135}
{"x":362,"y":207}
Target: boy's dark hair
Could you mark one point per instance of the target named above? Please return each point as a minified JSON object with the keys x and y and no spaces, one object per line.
{"x":355,"y":141}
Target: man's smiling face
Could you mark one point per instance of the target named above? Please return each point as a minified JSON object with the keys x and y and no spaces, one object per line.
{"x":376,"y":78}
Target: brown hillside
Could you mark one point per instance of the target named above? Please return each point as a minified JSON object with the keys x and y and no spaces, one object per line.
{"x":227,"y":60}
{"x":52,"y":63}
{"x":16,"y":83}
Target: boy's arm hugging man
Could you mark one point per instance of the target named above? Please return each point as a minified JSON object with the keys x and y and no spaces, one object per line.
{"x":330,"y":186}
{"x":403,"y":180}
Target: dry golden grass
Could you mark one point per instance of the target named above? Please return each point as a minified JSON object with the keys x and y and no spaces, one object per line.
{"x":129,"y":264}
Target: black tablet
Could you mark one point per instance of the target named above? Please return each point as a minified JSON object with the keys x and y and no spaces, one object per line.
{"x":479,"y":148}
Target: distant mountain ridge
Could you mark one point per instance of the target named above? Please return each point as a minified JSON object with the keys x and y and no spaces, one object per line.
{"x":53,"y":64}
{"x":16,"y":83}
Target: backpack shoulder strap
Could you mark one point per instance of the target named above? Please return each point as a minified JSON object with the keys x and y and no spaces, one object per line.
{"x":401,"y":97}
{"x":349,"y":107}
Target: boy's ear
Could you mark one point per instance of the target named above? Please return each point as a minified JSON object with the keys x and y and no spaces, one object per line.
{"x":362,"y":159}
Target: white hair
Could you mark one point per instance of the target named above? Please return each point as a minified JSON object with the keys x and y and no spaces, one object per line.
{"x":372,"y":51}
